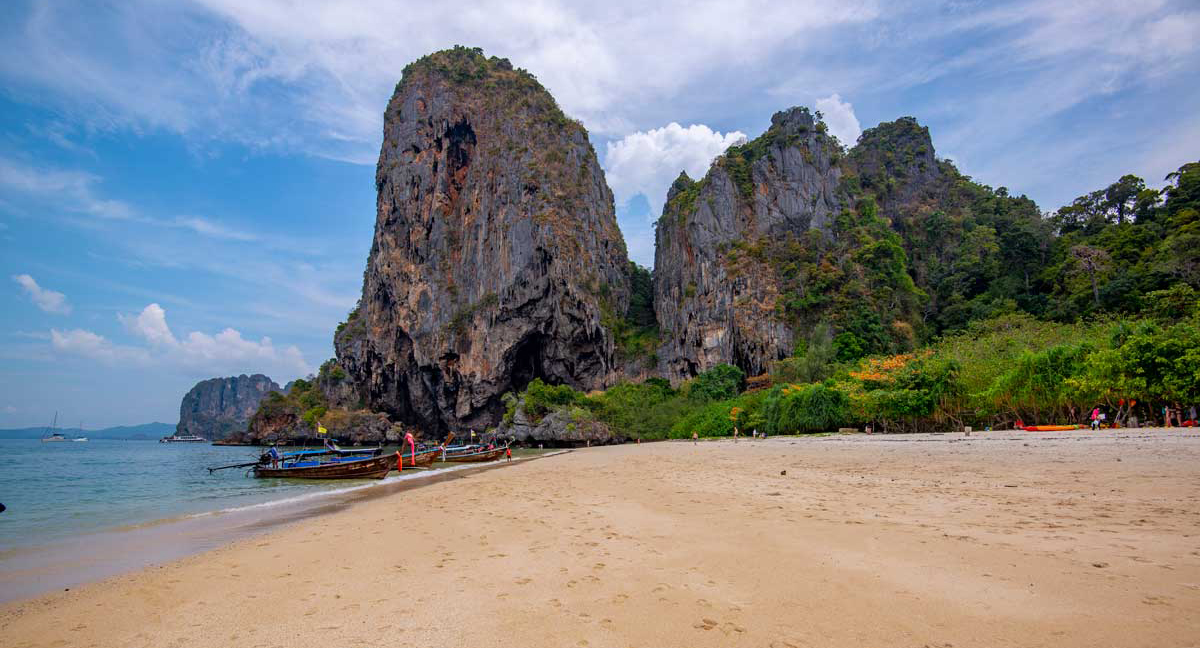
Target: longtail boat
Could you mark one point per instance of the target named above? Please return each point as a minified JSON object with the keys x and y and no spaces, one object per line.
{"x":423,"y":458}
{"x":339,"y":467}
{"x":475,"y":455}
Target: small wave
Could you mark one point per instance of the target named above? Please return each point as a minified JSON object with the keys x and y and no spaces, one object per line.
{"x":316,"y":495}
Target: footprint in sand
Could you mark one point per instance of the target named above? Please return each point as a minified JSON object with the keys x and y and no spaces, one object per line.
{"x":524,"y":581}
{"x":730,"y":628}
{"x":705,"y":624}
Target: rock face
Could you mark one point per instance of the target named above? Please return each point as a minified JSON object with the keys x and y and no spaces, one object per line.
{"x":713,"y":311}
{"x":496,"y":253}
{"x":219,"y":407}
{"x":896,"y":161}
{"x":281,"y":426}
{"x":790,"y":230}
{"x":335,"y":385}
{"x":558,"y":430}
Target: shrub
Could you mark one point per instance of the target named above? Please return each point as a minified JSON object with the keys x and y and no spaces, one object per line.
{"x":709,"y":420}
{"x":815,"y":407}
{"x":719,"y":383}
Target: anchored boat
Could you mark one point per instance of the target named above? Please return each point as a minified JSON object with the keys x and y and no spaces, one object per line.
{"x":335,"y":467}
{"x":475,"y":455}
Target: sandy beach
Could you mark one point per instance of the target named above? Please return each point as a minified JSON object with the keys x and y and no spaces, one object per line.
{"x":999,"y":539}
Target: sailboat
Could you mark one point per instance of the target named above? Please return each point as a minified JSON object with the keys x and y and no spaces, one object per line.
{"x":51,"y":437}
{"x":80,"y":439}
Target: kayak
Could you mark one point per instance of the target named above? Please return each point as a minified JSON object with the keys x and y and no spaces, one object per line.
{"x":1049,"y":428}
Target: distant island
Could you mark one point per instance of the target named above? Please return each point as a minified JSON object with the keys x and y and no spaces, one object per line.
{"x":146,"y":431}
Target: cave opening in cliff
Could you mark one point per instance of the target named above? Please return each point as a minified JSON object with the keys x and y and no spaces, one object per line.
{"x":527,"y":362}
{"x":460,"y":145}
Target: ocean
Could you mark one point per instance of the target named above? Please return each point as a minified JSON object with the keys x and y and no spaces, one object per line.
{"x":82,"y":511}
{"x":60,"y":490}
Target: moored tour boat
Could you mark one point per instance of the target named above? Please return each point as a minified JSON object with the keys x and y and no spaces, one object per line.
{"x":422,"y":459}
{"x":338,"y":467}
{"x":183,"y":438}
{"x":475,"y":455}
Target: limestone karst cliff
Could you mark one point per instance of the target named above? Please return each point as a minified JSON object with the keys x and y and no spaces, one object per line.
{"x":713,"y":307}
{"x":219,"y":407}
{"x":792,"y":236}
{"x":496,"y":256}
{"x":497,"y":259}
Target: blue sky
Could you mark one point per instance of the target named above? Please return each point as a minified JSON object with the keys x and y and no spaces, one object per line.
{"x":187,"y":188}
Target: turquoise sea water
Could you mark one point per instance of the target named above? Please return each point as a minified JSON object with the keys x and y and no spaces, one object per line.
{"x":62,"y":490}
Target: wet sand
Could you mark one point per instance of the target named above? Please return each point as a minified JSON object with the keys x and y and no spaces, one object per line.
{"x":999,"y":539}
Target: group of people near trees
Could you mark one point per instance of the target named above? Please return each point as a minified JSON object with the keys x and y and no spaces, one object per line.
{"x":1173,"y":415}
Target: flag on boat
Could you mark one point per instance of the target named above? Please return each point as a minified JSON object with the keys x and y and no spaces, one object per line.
{"x":321,"y":428}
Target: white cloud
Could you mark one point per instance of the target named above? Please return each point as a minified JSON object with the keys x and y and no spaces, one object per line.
{"x":70,"y":189}
{"x":197,"y":353}
{"x":314,"y":76}
{"x":839,"y":117}
{"x":74,"y":191}
{"x":211,"y":229}
{"x":647,"y":162}
{"x":90,"y":345}
{"x":45,"y":299}
{"x":226,"y":351}
{"x":151,"y":325}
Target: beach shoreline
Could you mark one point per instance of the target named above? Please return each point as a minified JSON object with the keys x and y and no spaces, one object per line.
{"x":30,"y":570}
{"x":1000,"y":538}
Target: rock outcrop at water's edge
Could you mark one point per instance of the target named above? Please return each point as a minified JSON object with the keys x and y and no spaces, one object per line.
{"x":496,"y":256}
{"x":219,"y":407}
{"x":557,"y":430}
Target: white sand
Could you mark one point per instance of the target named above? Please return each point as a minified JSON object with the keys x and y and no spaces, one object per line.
{"x":1002,"y":539}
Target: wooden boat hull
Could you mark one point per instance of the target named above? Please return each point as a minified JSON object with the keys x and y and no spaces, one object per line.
{"x":477,"y":457}
{"x":1050,"y":428}
{"x":371,"y":468}
{"x":423,"y":459}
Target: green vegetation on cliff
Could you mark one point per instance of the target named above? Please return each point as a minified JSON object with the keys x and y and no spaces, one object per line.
{"x":993,"y":373}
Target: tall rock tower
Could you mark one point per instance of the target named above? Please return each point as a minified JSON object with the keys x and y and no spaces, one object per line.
{"x":496,"y":257}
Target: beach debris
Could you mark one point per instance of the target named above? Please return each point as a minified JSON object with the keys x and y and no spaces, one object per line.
{"x":1100,"y":565}
{"x":783,"y":472}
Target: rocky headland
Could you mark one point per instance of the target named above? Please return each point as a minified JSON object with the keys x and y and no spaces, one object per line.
{"x":221,"y":407}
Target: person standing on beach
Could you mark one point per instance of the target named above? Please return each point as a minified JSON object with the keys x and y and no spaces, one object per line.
{"x":695,"y":437}
{"x":735,"y":434}
{"x":1166,"y":416}
{"x":1096,"y":419}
